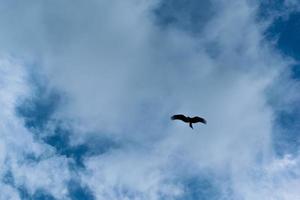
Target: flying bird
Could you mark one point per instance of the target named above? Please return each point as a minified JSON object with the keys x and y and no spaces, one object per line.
{"x":189,"y":119}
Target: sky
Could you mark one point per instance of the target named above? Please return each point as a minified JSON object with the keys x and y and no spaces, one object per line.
{"x":88,"y":89}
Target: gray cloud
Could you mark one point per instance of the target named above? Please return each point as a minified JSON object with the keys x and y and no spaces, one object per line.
{"x":123,"y":76}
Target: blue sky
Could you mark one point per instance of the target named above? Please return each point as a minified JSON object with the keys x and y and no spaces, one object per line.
{"x":88,"y":88}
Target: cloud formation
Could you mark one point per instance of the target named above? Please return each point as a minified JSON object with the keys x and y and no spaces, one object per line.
{"x":122,"y":69}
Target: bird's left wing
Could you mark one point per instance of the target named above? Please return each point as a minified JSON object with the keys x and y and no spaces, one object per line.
{"x":180,"y":117}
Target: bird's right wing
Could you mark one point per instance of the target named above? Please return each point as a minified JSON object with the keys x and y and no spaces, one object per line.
{"x":198,"y":119}
{"x":180,"y":117}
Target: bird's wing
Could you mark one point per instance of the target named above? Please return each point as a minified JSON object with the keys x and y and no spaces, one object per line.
{"x":180,"y":117}
{"x":198,"y":119}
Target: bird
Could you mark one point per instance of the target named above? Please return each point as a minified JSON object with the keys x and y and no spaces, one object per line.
{"x":189,"y":120}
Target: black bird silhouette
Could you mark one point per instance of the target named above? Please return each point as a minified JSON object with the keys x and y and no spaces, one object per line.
{"x":189,"y":119}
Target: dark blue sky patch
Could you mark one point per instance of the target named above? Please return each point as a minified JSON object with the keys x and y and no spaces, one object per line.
{"x":37,"y":112}
{"x":285,"y":29}
{"x":8,"y":178}
{"x":38,"y":195}
{"x":24,"y":194}
{"x":41,"y":195}
{"x":296,"y":71}
{"x":200,"y":188}
{"x":288,"y":33}
{"x":287,"y":138}
{"x":61,"y":141}
{"x":190,"y":15}
{"x":268,"y":8}
{"x":38,"y":109}
{"x":79,"y":192}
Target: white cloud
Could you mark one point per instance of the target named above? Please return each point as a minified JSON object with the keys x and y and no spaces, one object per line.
{"x":279,"y":179}
{"x":123,"y":77}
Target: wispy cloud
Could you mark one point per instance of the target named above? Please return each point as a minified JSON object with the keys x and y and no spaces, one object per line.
{"x":121,"y":69}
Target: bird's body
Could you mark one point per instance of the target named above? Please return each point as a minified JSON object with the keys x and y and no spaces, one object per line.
{"x":189,"y":120}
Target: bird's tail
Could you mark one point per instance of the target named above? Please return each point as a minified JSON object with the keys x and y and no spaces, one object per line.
{"x":191,"y":125}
